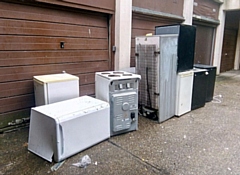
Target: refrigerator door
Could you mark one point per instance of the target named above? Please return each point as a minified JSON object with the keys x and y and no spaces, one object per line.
{"x":184,"y":92}
{"x":60,"y":91}
{"x":199,"y":88}
{"x":167,"y":76}
{"x":81,"y":132}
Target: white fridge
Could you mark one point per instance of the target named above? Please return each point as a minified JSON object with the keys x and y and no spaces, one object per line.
{"x":55,"y":87}
{"x":62,"y":129}
{"x":184,"y":92}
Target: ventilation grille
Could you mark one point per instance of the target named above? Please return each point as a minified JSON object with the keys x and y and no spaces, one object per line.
{"x":131,"y":99}
{"x":119,"y":101}
{"x":146,"y":66}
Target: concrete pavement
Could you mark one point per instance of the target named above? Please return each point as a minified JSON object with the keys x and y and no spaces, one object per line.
{"x":203,"y":141}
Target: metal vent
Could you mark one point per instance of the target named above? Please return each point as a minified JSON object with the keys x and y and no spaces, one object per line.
{"x":131,"y":98}
{"x":119,"y":101}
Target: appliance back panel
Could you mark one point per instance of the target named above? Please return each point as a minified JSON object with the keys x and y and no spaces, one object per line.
{"x":186,"y":43}
{"x":157,"y":64}
{"x":120,"y":89}
{"x":147,"y":67}
{"x":123,"y":106}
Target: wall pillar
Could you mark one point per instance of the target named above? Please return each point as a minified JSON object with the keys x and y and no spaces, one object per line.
{"x":123,"y":28}
{"x":188,"y":11}
{"x":219,"y":39}
{"x":237,"y":53}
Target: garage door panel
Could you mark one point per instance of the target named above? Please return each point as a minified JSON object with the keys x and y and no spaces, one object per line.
{"x":21,"y":27}
{"x":228,"y":51}
{"x":10,"y":89}
{"x":27,"y":72}
{"x":87,"y":89}
{"x":15,"y":11}
{"x":86,"y":78}
{"x":142,"y":25}
{"x":19,"y":58}
{"x":13,"y":42}
{"x":30,"y":39}
{"x":16,"y":103}
{"x":148,"y":24}
{"x":138,"y":32}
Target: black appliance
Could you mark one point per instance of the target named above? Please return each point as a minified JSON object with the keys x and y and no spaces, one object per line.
{"x":210,"y":80}
{"x":186,"y":43}
{"x":199,"y":88}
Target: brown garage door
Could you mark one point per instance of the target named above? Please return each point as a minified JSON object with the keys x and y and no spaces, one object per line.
{"x":141,"y":26}
{"x":228,"y":50}
{"x":30,"y":40}
{"x":204,"y":44}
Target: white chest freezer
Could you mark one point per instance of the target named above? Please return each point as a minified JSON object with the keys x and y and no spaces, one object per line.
{"x":65,"y":128}
{"x":55,"y":87}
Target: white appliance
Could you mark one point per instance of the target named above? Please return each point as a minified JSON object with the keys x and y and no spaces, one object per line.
{"x":156,"y":62}
{"x":184,"y":92}
{"x":120,"y":89}
{"x":62,"y":129}
{"x":55,"y":87}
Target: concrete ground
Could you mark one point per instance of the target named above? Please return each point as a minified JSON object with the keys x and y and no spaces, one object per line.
{"x":203,"y":141}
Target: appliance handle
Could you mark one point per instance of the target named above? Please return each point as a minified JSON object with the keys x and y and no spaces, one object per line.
{"x":61,"y":141}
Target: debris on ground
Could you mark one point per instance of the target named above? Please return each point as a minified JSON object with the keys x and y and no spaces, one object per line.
{"x":84,"y":162}
{"x":56,"y":166}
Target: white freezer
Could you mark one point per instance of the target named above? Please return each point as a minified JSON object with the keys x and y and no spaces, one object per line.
{"x":184,"y":92}
{"x":62,"y":129}
{"x":55,"y":87}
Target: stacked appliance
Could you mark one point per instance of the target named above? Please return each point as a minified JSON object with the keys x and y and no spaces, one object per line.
{"x":120,"y":89}
{"x":185,"y":43}
{"x":185,"y":52}
{"x":156,"y":62}
{"x":165,"y":62}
